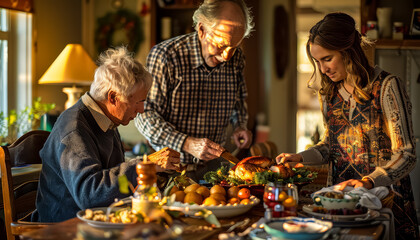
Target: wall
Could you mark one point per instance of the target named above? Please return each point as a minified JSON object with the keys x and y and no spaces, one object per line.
{"x":280,"y":92}
{"x":56,"y":23}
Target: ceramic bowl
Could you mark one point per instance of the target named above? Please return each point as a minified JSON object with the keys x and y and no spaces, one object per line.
{"x":349,"y":201}
{"x":297,"y":228}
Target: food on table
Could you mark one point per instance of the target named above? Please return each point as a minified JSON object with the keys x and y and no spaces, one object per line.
{"x":303,"y":227}
{"x":217,"y":195}
{"x":293,"y":227}
{"x":244,"y":193}
{"x":179,"y":196}
{"x":122,"y":216}
{"x":191,"y":188}
{"x":336,"y":200}
{"x":126,"y":215}
{"x":203,"y":191}
{"x":259,"y":170}
{"x":210,"y":201}
{"x":247,"y":168}
{"x":163,"y":155}
{"x":193,"y":197}
{"x":232,"y":192}
{"x":218,"y":189}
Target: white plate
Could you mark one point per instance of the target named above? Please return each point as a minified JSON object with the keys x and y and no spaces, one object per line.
{"x":100,"y":224}
{"x":219,"y":211}
{"x":344,"y":219}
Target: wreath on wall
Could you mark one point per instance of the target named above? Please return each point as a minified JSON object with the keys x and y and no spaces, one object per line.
{"x":122,"y":27}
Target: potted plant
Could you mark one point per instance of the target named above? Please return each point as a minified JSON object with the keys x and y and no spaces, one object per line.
{"x":16,"y":123}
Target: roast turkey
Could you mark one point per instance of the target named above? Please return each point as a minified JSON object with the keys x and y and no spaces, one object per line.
{"x":247,"y":168}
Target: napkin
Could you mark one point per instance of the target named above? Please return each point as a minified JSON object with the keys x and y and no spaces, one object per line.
{"x":368,"y":198}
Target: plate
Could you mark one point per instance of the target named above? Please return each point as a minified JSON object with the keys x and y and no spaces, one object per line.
{"x":220,"y":211}
{"x":100,"y":224}
{"x":343,"y":220}
{"x":259,"y":234}
{"x":310,"y":228}
{"x":25,"y":169}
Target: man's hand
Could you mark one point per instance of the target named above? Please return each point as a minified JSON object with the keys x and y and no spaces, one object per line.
{"x":242,"y":137}
{"x":288,"y":157}
{"x":202,"y":148}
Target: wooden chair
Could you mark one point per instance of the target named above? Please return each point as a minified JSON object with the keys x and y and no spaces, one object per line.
{"x":19,"y":201}
{"x":265,"y":149}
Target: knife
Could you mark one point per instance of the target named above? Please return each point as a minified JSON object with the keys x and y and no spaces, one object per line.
{"x":228,"y":156}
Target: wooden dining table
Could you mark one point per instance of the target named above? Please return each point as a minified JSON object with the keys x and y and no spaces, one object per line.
{"x":68,"y":230}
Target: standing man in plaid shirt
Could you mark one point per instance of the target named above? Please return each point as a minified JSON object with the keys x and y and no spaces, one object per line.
{"x":199,"y":88}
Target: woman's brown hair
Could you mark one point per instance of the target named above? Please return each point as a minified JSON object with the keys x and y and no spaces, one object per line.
{"x":337,"y":31}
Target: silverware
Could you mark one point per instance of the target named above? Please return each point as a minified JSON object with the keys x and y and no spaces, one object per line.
{"x":228,"y":156}
{"x":238,"y":225}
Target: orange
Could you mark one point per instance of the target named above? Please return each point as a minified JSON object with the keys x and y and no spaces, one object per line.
{"x":192,"y":188}
{"x":179,"y":196}
{"x":203,"y":191}
{"x":217,"y":189}
{"x":210,"y":201}
{"x":234,"y":200}
{"x":289,"y":202}
{"x":282,"y":196}
{"x":193,"y":197}
{"x":218,"y":196}
{"x":232,"y":192}
{"x":245,"y":201}
{"x":244,"y":193}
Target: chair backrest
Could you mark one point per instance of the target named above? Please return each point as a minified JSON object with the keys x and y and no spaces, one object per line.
{"x":20,"y":200}
{"x":265,"y":149}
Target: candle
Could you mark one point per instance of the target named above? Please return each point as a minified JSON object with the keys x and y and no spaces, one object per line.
{"x":145,"y":158}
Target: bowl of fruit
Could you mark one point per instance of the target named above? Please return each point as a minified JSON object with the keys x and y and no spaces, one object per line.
{"x":221,"y":202}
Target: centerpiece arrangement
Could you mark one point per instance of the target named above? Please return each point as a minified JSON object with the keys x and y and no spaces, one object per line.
{"x":259,"y":170}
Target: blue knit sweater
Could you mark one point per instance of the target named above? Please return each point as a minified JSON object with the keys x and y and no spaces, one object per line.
{"x":80,"y":167}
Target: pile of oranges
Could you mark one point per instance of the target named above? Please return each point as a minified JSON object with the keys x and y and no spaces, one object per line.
{"x":217,"y":195}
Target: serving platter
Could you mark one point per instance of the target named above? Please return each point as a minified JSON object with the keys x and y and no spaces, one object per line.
{"x":343,"y":220}
{"x":100,"y":224}
{"x":220,"y":211}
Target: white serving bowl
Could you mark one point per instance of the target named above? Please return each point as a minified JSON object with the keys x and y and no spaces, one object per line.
{"x":349,"y":201}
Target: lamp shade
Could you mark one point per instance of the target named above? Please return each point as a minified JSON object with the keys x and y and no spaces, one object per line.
{"x":72,"y":67}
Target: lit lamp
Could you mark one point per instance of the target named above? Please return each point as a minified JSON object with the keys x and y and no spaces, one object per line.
{"x":72,"y":67}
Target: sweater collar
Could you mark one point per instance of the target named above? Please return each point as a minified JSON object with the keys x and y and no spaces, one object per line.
{"x":101,"y":119}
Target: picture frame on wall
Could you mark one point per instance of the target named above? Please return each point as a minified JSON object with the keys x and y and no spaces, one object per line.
{"x":415,"y":22}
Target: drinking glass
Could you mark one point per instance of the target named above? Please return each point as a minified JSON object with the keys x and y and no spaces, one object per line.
{"x":281,"y":199}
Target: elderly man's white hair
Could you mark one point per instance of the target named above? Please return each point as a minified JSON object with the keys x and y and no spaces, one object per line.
{"x":120,"y":72}
{"x":209,"y":11}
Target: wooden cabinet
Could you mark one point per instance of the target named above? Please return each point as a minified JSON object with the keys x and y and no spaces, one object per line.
{"x":171,"y":18}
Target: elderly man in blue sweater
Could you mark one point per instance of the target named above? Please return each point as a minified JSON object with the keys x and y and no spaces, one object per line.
{"x":84,"y":156}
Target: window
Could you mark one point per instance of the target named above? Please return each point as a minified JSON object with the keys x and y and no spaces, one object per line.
{"x":15,"y":60}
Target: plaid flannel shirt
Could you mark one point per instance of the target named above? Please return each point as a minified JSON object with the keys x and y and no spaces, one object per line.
{"x":188,"y":99}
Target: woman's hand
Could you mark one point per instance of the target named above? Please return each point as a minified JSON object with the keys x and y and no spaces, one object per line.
{"x":355,"y":183}
{"x":289,"y":157}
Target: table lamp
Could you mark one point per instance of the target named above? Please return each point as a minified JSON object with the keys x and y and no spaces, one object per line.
{"x":72,"y":67}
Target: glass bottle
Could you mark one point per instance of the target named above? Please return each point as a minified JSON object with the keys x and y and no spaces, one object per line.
{"x":147,"y":195}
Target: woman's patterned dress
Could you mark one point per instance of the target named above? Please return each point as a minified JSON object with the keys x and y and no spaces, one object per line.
{"x":373,"y":139}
